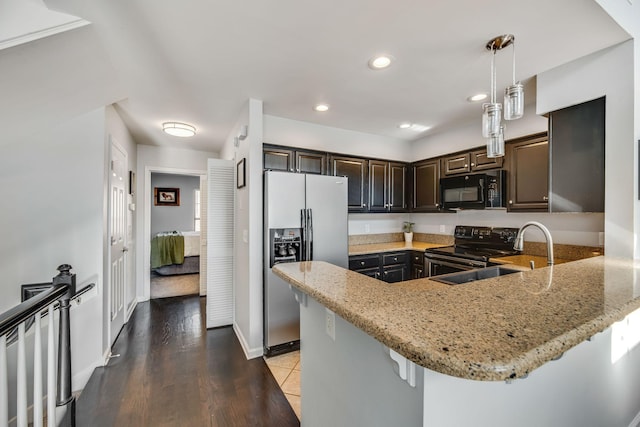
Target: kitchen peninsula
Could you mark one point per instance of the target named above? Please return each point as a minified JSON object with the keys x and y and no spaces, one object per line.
{"x":523,"y":349}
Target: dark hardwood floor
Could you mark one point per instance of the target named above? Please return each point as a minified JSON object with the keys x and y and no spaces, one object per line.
{"x":172,"y":371}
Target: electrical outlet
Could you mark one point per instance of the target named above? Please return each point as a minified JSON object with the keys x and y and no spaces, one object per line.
{"x":442,"y":229}
{"x":330,"y":323}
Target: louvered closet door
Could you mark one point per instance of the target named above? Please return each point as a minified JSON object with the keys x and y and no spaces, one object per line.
{"x":220,"y":234}
{"x":203,"y":235}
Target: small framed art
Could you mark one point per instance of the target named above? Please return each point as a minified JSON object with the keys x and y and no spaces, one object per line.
{"x":166,"y":196}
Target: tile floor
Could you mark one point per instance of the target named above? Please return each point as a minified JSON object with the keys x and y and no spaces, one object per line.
{"x":286,"y":370}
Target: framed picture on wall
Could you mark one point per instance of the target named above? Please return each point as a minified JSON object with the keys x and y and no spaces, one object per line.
{"x":166,"y":196}
{"x":241,"y":173}
{"x":132,"y":183}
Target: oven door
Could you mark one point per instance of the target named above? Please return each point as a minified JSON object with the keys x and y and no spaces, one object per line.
{"x":437,"y":265}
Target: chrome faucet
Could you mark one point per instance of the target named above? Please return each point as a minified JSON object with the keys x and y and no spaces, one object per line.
{"x":519,"y":243}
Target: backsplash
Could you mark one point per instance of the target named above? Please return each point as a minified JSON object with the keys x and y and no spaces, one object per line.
{"x":367,"y":239}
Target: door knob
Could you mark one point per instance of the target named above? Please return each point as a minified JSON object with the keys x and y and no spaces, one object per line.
{"x":545,"y":198}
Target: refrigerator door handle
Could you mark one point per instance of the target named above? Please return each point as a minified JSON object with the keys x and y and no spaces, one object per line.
{"x":303,"y":225}
{"x":310,"y":238}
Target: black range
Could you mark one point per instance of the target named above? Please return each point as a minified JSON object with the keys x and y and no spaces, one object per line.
{"x":474,"y":246}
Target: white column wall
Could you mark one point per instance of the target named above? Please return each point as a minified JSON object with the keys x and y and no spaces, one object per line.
{"x":609,"y":73}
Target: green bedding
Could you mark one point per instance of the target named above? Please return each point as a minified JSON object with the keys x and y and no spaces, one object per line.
{"x":166,"y":250}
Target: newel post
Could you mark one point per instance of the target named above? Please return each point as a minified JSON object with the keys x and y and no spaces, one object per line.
{"x":64,"y":395}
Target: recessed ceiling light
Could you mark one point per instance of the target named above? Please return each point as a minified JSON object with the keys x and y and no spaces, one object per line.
{"x":414,"y":126}
{"x":321,"y":108}
{"x":477,"y":97}
{"x":419,"y":128}
{"x":379,"y":62}
{"x":182,"y":130}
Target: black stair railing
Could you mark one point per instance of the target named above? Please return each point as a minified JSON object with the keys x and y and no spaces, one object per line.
{"x":36,"y":299}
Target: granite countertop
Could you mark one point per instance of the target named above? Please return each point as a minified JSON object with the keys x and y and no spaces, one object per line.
{"x":523,"y":260}
{"x":373,"y":248}
{"x":494,"y":329}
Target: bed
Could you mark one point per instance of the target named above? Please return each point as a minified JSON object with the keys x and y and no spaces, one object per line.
{"x":175,"y":252}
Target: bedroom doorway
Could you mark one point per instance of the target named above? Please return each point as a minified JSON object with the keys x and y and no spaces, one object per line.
{"x":174,"y":221}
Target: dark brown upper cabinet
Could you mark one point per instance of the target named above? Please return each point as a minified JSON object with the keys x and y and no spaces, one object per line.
{"x":469,"y":162}
{"x":294,"y":160}
{"x":577,"y":154}
{"x":480,"y":161}
{"x":528,"y":171}
{"x":356,"y":170}
{"x":278,"y":159}
{"x":456,"y":163}
{"x":387,"y":186}
{"x":425,"y":194}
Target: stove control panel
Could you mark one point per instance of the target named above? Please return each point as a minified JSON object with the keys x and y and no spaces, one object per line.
{"x":494,"y":237}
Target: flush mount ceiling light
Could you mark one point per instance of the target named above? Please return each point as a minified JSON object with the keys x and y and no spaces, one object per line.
{"x":414,"y":127}
{"x":178,"y":129}
{"x":492,"y":128}
{"x":477,"y":97}
{"x":380,"y":62}
{"x":321,"y":108}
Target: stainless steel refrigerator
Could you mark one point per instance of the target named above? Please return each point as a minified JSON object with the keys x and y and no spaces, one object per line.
{"x":305,"y":218}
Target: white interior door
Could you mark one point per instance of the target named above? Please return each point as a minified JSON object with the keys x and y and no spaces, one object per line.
{"x":220,"y":238}
{"x":118,"y":253}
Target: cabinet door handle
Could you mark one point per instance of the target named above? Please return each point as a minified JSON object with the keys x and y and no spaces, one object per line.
{"x":437,"y":204}
{"x":395,"y":258}
{"x":386,"y":272}
{"x":473,"y":164}
{"x":466,"y":165}
{"x":298,"y":170}
{"x":362,"y":263}
{"x":377,"y":274}
{"x":510,"y":202}
{"x":290,"y":169}
{"x":364,"y":205}
{"x":545,"y":198}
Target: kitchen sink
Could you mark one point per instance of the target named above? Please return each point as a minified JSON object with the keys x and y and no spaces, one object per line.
{"x":474,"y":275}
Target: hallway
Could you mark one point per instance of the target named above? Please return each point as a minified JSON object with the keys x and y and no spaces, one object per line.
{"x":172,"y":371}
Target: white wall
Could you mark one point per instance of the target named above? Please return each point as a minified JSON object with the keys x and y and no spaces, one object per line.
{"x":248,"y":318}
{"x":53,"y":180}
{"x":169,"y":218}
{"x":609,"y":73}
{"x":293,"y":133}
{"x":158,"y":159}
{"x":468,"y":135}
{"x":628,"y":17}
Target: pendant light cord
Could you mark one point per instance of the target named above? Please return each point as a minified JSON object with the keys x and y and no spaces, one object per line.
{"x":513,"y":44}
{"x":493,"y":75}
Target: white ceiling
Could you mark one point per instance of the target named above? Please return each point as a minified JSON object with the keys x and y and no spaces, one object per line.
{"x":199,"y":61}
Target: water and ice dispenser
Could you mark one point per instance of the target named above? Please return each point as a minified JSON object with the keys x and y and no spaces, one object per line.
{"x":285,"y":245}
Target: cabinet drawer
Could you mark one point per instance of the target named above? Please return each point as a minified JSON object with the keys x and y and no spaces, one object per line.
{"x":417,"y":258}
{"x":394,"y":258}
{"x":360,"y":262}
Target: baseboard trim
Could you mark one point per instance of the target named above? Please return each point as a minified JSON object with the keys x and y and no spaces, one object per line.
{"x":249,"y":353}
{"x":80,"y":380}
{"x":133,"y":306}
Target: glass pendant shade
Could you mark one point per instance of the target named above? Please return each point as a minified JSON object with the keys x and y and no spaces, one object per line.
{"x":495,"y":144}
{"x":491,"y":119}
{"x":514,"y":101}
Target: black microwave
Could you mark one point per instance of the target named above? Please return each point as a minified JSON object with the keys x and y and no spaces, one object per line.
{"x":474,"y":191}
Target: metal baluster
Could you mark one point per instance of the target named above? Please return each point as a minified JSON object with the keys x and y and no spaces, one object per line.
{"x":51,"y":371}
{"x":37,"y":373}
{"x":4,"y":393}
{"x":21,"y":395}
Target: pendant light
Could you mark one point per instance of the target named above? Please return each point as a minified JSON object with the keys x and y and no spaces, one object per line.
{"x":492,"y":128}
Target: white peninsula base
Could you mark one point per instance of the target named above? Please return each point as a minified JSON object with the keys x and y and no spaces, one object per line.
{"x":352,"y":381}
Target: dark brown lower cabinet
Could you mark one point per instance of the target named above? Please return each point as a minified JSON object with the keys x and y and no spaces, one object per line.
{"x":390,"y":267}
